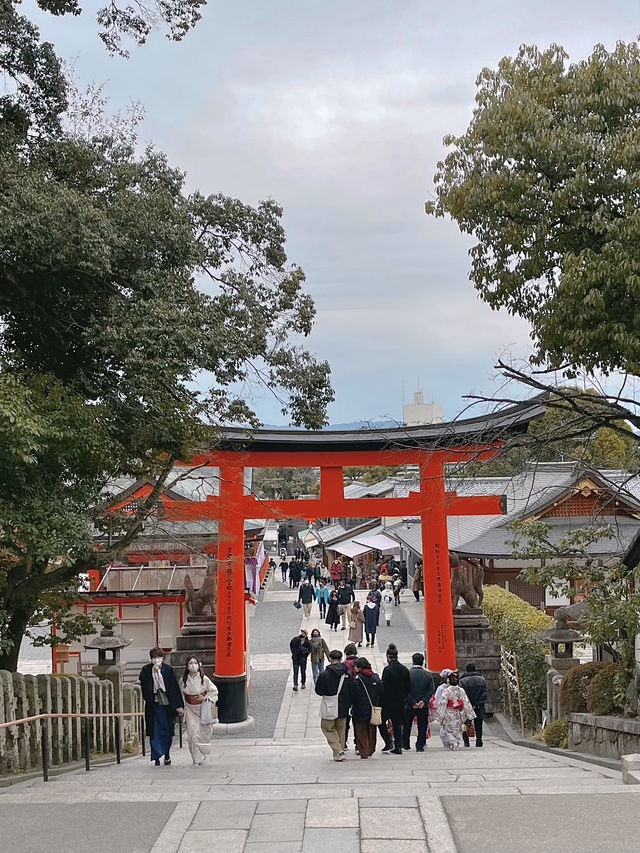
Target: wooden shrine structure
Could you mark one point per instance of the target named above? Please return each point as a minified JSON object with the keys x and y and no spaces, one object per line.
{"x":430,"y":447}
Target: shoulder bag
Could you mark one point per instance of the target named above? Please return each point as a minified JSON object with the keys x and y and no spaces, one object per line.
{"x":376,"y":711}
{"x":206,"y":713}
{"x":329,"y":704}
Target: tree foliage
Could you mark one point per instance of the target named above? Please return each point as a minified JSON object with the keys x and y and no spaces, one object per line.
{"x":566,"y":568}
{"x":547,"y":179}
{"x":134,"y":319}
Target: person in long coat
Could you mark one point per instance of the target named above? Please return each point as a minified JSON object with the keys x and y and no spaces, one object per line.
{"x":333,"y":611}
{"x":162,"y":702}
{"x":366,"y":692}
{"x":417,"y":583}
{"x":396,"y":686}
{"x":371,"y":610}
{"x":197,"y":688}
{"x":356,"y":623}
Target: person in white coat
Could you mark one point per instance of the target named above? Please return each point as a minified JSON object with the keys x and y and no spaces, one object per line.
{"x":388,"y":599}
{"x":197,"y":688}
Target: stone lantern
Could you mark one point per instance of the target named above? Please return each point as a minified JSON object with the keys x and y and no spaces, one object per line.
{"x":561,"y":639}
{"x":108,"y":645}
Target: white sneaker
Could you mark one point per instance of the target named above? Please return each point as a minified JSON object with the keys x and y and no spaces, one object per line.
{"x":340,"y":757}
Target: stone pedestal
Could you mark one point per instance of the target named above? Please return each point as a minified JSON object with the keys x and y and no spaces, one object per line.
{"x":198,"y":637}
{"x":476,"y":644}
{"x":562,"y":665}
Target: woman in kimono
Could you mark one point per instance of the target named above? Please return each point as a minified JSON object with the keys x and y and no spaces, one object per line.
{"x":197,"y":688}
{"x":387,"y":602}
{"x":452,"y":712}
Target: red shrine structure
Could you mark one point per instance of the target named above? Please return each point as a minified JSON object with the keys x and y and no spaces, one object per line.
{"x":430,"y":447}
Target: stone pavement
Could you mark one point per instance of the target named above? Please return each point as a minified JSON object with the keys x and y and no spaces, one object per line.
{"x":284,"y":794}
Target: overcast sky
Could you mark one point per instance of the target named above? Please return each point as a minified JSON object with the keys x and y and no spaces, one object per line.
{"x":337,"y":109}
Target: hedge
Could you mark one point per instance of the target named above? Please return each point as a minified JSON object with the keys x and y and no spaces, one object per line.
{"x":514,"y":623}
{"x":557,"y":734}
{"x":590,"y":688}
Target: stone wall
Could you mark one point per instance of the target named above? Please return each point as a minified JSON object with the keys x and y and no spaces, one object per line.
{"x":610,"y":737}
{"x":28,"y":695}
{"x":476,"y":644}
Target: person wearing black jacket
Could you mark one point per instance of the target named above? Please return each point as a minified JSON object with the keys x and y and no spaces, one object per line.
{"x":162,"y":701}
{"x":300,"y":649}
{"x":366,"y":693}
{"x":328,"y":683}
{"x":475,"y":687}
{"x":417,"y":703}
{"x":396,"y":685}
{"x":306,"y":594}
{"x":346,"y":596}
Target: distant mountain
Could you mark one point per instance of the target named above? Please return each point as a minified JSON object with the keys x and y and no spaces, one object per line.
{"x":352,"y":425}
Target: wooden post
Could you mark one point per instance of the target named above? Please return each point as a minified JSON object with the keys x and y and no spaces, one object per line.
{"x":505,"y":672}
{"x":515,"y":666}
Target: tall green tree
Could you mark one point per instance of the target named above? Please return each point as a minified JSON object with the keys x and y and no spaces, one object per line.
{"x":546,"y":178}
{"x":134,"y":319}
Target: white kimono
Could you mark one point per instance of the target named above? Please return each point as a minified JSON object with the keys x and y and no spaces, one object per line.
{"x":199,"y":736}
{"x":387,"y":602}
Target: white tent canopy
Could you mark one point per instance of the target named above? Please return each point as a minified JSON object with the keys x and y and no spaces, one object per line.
{"x":349,"y":548}
{"x":377,"y":542}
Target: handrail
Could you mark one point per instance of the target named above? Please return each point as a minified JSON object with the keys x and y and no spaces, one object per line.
{"x":87,"y":717}
{"x":57,"y":716}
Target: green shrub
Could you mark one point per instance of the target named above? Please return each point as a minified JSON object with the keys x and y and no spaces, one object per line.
{"x":573,"y":689}
{"x":514,"y":624}
{"x":557,"y":734}
{"x":602,"y":690}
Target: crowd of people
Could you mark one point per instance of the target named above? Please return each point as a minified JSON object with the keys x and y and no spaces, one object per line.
{"x":359,"y":575}
{"x":388,"y":705}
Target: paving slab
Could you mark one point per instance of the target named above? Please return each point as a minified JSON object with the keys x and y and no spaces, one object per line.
{"x":233,"y":815}
{"x":544,"y":824}
{"x":380,"y":845}
{"x":321,"y":840}
{"x":61,"y":828}
{"x":332,"y":813}
{"x":214,"y":841}
{"x":391,"y":823}
{"x":281,"y":806}
{"x":276,"y":827}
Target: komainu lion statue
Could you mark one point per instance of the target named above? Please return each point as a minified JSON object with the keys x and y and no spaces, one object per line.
{"x":467,"y":577}
{"x":198,"y":602}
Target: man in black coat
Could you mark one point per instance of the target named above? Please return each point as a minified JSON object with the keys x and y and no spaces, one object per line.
{"x":346,"y":597}
{"x":300,"y":649}
{"x":328,"y":683}
{"x":475,"y":687}
{"x":396,"y":685}
{"x":162,"y":701}
{"x":417,"y":704}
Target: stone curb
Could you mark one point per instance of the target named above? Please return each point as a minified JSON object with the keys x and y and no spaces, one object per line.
{"x":230,"y":729}
{"x":516,"y":738}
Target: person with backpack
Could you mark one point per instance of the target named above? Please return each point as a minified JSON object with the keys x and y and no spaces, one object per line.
{"x":334,"y":685}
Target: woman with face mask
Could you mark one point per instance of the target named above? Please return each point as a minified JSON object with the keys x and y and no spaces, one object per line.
{"x":162,"y":701}
{"x":197,"y":688}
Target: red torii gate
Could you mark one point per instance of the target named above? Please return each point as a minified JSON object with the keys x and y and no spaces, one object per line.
{"x":430,"y":447}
